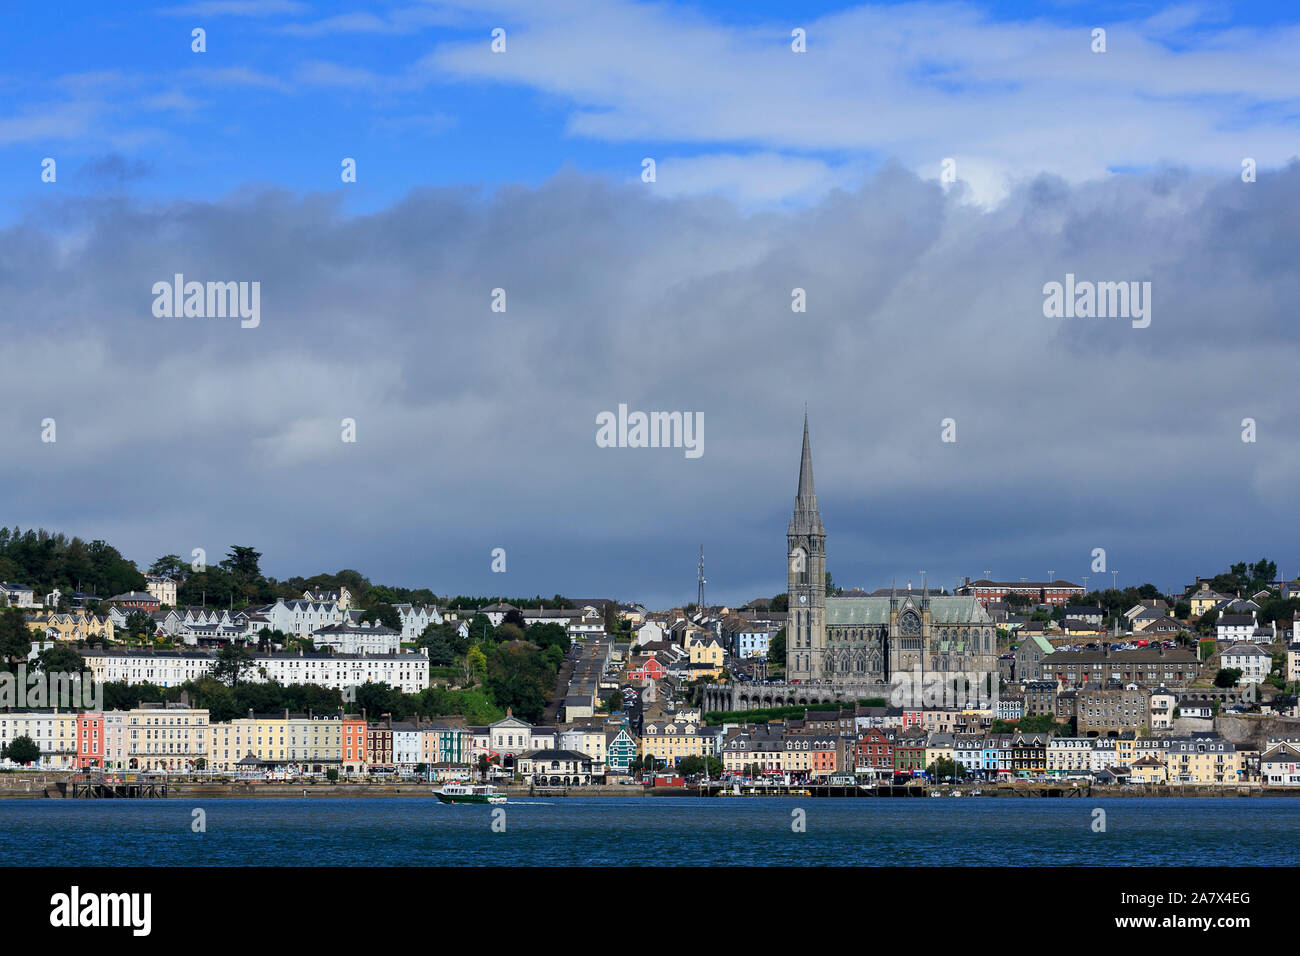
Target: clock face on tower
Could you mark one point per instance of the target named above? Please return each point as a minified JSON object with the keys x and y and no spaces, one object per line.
{"x":803,"y":599}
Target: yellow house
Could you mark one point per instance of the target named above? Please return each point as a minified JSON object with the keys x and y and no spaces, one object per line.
{"x":670,"y":741}
{"x":705,"y":657}
{"x":315,"y":741}
{"x":1149,"y":769}
{"x":264,"y":736}
{"x":78,"y":626}
{"x":166,"y":737}
{"x":1125,"y":746}
{"x":1203,"y":761}
{"x":939,"y":747}
{"x":1204,"y":600}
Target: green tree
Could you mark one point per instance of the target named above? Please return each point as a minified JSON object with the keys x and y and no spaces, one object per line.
{"x":508,"y":632}
{"x":776,"y":649}
{"x":139,"y":625}
{"x":548,"y":634}
{"x":232,"y":665}
{"x":1227,"y":677}
{"x":22,"y":750}
{"x":385,"y":614}
{"x":15,"y":638}
{"x":944,"y":768}
{"x":169,"y":565}
{"x":475,"y":665}
{"x":61,"y":659}
{"x":519,"y":677}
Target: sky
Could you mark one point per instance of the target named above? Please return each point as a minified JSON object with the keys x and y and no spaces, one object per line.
{"x":921,"y":171}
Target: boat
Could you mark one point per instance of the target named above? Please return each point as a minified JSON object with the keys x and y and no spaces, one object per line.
{"x":469,"y":793}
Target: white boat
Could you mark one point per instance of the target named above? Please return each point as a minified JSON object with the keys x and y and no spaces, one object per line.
{"x":469,"y":793}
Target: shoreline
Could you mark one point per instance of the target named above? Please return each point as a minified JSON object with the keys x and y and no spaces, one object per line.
{"x":363,"y":791}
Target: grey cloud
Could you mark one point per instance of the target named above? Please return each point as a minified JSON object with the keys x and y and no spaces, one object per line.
{"x":476,"y":429}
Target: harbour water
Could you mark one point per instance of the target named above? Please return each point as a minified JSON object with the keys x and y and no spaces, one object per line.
{"x":662,"y":831}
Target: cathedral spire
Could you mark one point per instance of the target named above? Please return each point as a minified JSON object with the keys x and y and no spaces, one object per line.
{"x":806,"y":518}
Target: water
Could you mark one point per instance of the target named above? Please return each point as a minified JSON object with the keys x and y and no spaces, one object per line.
{"x":652,"y":830}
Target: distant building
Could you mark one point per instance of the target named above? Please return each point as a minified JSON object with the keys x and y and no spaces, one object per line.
{"x":162,"y":587}
{"x":1056,"y":592}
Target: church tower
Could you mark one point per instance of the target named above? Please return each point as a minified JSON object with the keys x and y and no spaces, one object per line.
{"x":805,"y":633}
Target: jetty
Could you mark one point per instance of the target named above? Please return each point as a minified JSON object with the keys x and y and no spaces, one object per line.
{"x":113,"y":787}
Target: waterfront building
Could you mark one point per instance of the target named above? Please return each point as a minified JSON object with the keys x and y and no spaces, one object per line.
{"x":1203,"y":759}
{"x":669,"y":741}
{"x":1149,"y":769}
{"x":379,"y":747}
{"x":115,"y":739}
{"x":556,"y":768}
{"x":1069,"y":755}
{"x":54,"y":732}
{"x":315,"y":742}
{"x":620,"y":750}
{"x":90,"y":740}
{"x":169,"y":737}
{"x":1280,"y":766}
{"x":454,"y":744}
{"x":408,"y":745}
{"x":1029,"y":754}
{"x":909,"y":751}
{"x":353,"y":736}
{"x":587,"y":740}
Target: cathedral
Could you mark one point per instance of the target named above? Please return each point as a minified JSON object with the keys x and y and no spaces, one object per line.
{"x":871,"y":641}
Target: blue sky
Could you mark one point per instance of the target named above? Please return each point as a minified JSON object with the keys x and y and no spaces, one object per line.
{"x":522,"y":170}
{"x":286,"y":88}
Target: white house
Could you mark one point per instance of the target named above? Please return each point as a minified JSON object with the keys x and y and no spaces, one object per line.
{"x":408,"y":672}
{"x":1160,"y":708}
{"x":17,"y":595}
{"x":1280,"y":766}
{"x":301,"y":618}
{"x":648,"y":633}
{"x":1253,"y":661}
{"x":1235,"y":627}
{"x":415,"y":618}
{"x":367,"y":638}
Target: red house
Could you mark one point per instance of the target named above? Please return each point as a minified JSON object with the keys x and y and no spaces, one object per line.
{"x":874,"y":752}
{"x":90,"y":741}
{"x":649,"y":669}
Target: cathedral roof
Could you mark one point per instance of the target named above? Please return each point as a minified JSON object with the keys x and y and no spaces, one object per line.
{"x":841,"y":611}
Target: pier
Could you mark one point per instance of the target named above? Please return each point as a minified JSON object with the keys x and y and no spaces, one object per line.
{"x":127,"y":787}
